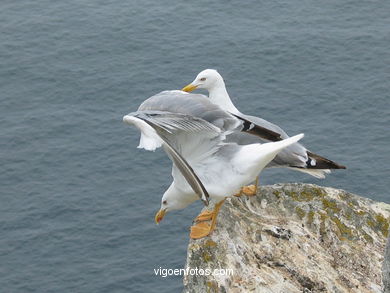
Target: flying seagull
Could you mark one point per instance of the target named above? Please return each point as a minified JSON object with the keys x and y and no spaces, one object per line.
{"x":295,"y":157}
{"x":193,"y":133}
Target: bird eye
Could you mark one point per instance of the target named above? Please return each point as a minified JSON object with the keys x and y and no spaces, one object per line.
{"x":164,"y":202}
{"x":203,"y":79}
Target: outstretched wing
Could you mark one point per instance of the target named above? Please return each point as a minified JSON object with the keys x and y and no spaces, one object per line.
{"x":200,"y":106}
{"x":165,"y":128}
{"x":194,"y":105}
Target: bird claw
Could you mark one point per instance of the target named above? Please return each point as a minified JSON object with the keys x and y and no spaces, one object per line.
{"x":249,"y":190}
{"x":204,"y":216}
{"x":200,"y":230}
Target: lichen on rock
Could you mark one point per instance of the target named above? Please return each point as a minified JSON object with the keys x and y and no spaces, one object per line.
{"x":293,"y":238}
{"x":386,"y":269}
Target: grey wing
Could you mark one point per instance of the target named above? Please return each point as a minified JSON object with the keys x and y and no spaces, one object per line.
{"x":173,"y":122}
{"x":187,"y":172}
{"x":293,"y":156}
{"x":195,"y":105}
{"x":266,"y":124}
{"x":201,"y":106}
{"x":169,"y":127}
{"x":296,"y":155}
{"x":180,"y":129}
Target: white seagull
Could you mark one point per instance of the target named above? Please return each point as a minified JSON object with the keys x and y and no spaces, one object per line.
{"x":295,"y":157}
{"x":193,"y":132}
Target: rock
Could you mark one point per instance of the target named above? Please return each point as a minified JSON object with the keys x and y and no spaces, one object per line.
{"x":386,"y":269}
{"x":293,"y":238}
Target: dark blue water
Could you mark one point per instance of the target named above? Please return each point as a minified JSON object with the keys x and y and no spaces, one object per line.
{"x":78,"y":199}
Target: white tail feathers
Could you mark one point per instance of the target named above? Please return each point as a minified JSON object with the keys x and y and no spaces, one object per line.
{"x":317,"y":173}
{"x":289,"y":141}
{"x":149,"y":139}
{"x":257,"y":156}
{"x":273,"y":148}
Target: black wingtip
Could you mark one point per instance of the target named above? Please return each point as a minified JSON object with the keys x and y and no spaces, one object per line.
{"x":205,"y":202}
{"x":254,"y":129}
{"x":322,"y":163}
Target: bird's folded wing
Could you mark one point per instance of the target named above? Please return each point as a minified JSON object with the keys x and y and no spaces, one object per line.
{"x":296,"y":156}
{"x":258,"y":128}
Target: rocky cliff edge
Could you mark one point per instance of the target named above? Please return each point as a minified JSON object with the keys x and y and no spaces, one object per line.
{"x":294,"y":238}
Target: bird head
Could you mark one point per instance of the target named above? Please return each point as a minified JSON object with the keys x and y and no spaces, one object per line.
{"x":171,"y":200}
{"x":207,"y":79}
{"x":161,"y":213}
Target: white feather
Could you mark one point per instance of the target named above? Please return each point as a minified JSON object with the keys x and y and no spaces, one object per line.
{"x":259,"y":155}
{"x":149,"y":139}
{"x":317,"y":173}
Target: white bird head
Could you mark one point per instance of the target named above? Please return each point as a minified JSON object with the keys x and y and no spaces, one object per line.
{"x":212,"y":81}
{"x":172,"y":200}
{"x":207,"y":79}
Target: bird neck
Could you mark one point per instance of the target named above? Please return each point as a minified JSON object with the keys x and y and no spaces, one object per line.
{"x":219,"y":96}
{"x":180,"y":197}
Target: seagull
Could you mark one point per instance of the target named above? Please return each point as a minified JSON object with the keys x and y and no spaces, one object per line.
{"x":295,"y":157}
{"x":193,"y":133}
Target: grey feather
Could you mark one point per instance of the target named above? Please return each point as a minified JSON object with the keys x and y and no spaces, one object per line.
{"x":292,"y":156}
{"x":192,"y":104}
{"x":295,"y":156}
{"x":172,"y":122}
{"x":183,"y":166}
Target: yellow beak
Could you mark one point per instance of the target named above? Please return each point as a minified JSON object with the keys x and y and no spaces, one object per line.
{"x":159,"y":216}
{"x":189,"y":88}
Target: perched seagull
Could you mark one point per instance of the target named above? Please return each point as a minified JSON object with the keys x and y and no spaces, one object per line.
{"x":193,"y":132}
{"x":295,"y":157}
